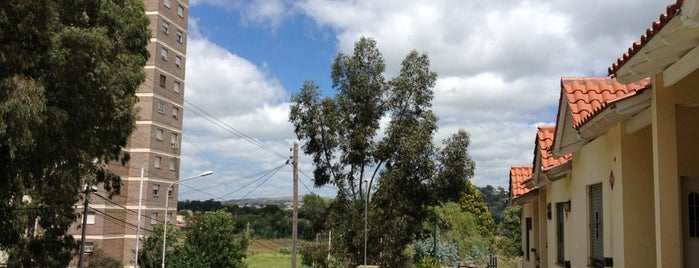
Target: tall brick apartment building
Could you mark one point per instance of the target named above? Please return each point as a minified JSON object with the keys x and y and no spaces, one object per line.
{"x":154,"y":145}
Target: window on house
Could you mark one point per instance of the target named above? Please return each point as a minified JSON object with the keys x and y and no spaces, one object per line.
{"x":156,"y":189}
{"x":166,"y":27}
{"x":163,"y":54}
{"x":596,"y":226}
{"x":180,"y":10}
{"x":174,"y":141}
{"x":528,"y":230}
{"x":90,"y":217}
{"x":560,"y":233}
{"x":163,"y":78}
{"x":161,"y":107}
{"x":176,"y":86}
{"x":178,"y":61}
{"x":153,"y":217}
{"x":157,"y":161}
{"x":179,"y":36}
{"x":693,"y":205}
{"x":173,"y":162}
{"x":175,"y":112}
{"x":159,"y":134}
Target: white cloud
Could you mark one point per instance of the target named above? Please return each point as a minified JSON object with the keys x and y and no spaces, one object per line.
{"x":499,"y":65}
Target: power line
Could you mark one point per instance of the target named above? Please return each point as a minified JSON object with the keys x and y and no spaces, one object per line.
{"x":117,"y":219}
{"x":201,"y":112}
{"x":263,"y":182}
{"x":123,"y":207}
{"x":267,"y":174}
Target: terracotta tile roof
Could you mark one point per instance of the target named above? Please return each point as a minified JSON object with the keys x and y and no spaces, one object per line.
{"x":587,"y":96}
{"x":671,"y":11}
{"x":518,"y":176}
{"x":544,"y":139}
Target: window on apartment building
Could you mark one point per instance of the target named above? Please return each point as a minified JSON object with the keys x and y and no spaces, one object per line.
{"x":560,"y":233}
{"x":169,"y":191}
{"x":169,"y":217}
{"x":163,"y":54}
{"x":166,"y":27}
{"x":174,"y":141}
{"x":90,"y":217}
{"x":178,"y":61}
{"x":89,"y":247}
{"x":176,"y":86}
{"x":180,"y":11}
{"x":693,"y":207}
{"x":173,"y":163}
{"x":596,"y":226}
{"x":180,"y":36}
{"x":162,"y":80}
{"x":528,"y":230}
{"x":159,"y":134}
{"x":161,"y":107}
{"x":166,"y":3}
{"x":153,"y":217}
{"x":156,"y":189}
{"x":157,"y":161}
{"x":175,"y":112}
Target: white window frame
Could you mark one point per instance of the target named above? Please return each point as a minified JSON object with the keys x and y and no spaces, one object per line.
{"x":173,"y":164}
{"x":166,"y":27}
{"x":156,"y":189}
{"x":180,"y":36}
{"x":90,"y":217}
{"x":178,"y":62}
{"x":89,"y":247}
{"x":175,"y":112}
{"x":176,"y":86}
{"x":166,"y":3}
{"x":174,"y":141}
{"x":159,"y":134}
{"x":180,"y":11}
{"x":153,"y":217}
{"x":161,"y":107}
{"x":157,"y":161}
{"x":163,"y":53}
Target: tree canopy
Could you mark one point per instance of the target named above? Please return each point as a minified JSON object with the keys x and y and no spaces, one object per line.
{"x":379,"y":133}
{"x":69,"y":71}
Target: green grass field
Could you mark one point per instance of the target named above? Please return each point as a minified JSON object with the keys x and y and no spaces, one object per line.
{"x":267,"y":253}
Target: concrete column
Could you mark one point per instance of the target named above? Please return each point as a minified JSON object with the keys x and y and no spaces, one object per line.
{"x":668,"y":227}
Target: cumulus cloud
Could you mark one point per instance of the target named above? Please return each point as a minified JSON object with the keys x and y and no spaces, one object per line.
{"x":499,"y":65}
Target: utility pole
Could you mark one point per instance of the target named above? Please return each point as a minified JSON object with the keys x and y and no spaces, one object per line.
{"x":81,"y":262}
{"x":294,"y":228}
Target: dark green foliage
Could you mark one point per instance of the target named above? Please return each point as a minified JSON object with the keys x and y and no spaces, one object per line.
{"x":314,"y":254}
{"x":98,"y":259}
{"x":496,"y":198}
{"x":510,"y":240}
{"x":150,"y":255}
{"x":211,"y":240}
{"x":409,"y":172}
{"x":69,"y":71}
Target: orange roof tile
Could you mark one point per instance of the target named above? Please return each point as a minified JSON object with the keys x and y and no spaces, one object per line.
{"x":671,"y":11}
{"x":587,"y":96}
{"x":518,"y":176}
{"x":544,"y":138}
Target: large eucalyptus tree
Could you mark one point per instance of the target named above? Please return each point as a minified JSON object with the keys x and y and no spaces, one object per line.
{"x":378,"y":133}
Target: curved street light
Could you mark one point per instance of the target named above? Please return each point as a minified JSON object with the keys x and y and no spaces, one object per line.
{"x":167,"y":197}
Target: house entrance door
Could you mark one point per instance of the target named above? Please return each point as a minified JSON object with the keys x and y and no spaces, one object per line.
{"x":690,"y":221}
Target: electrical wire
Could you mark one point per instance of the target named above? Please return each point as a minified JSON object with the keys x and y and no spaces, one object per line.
{"x":127,"y":209}
{"x":135,"y":227}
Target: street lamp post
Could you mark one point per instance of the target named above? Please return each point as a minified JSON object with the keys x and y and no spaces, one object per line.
{"x":366,"y":217}
{"x":167,"y":197}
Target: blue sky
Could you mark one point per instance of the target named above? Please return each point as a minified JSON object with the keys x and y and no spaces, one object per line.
{"x":499,"y":65}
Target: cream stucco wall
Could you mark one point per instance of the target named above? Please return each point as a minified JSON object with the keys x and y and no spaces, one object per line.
{"x":637,"y":180}
{"x":558,"y":192}
{"x":529,"y":210}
